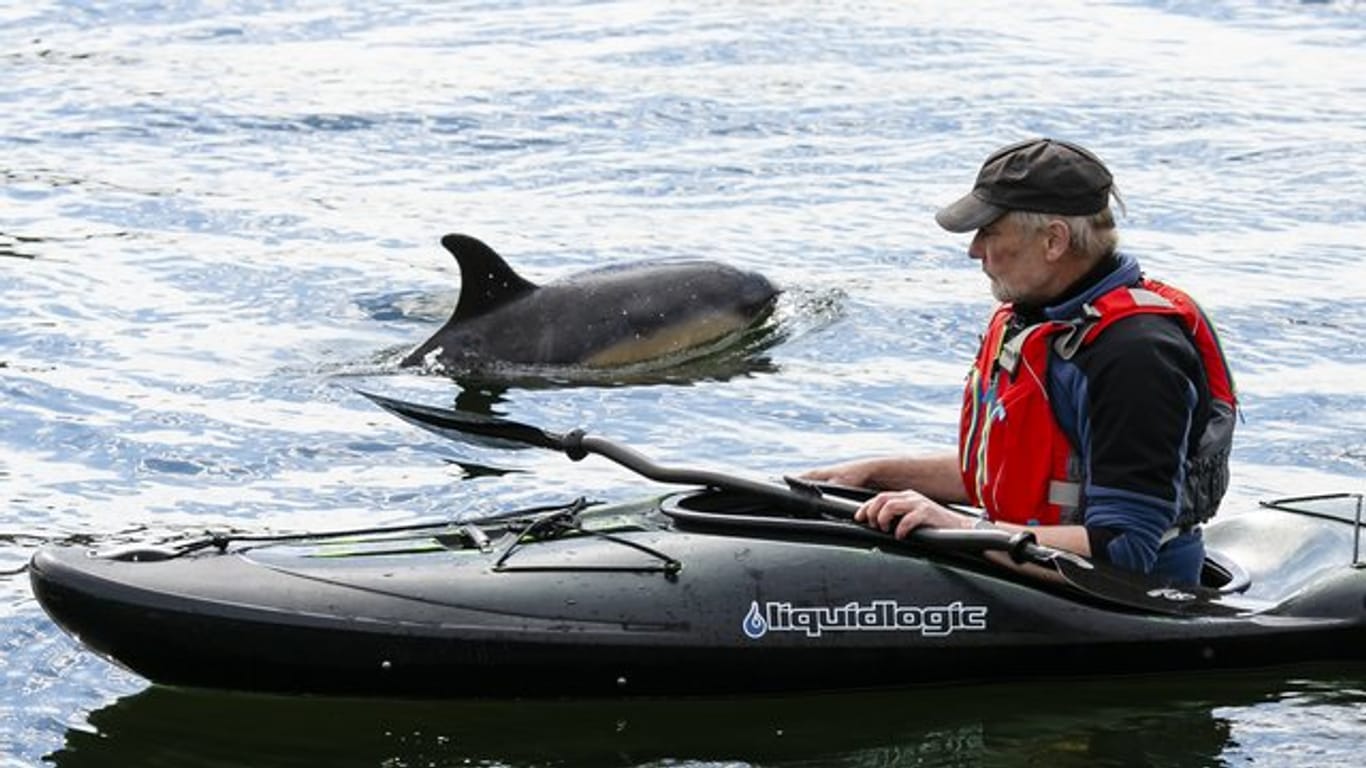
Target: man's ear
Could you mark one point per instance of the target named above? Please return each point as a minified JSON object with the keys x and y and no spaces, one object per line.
{"x":1057,"y":239}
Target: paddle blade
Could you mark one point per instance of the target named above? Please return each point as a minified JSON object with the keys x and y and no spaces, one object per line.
{"x":474,"y":428}
{"x":1137,"y":591}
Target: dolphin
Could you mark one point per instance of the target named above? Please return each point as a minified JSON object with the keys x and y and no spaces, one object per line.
{"x":610,"y":316}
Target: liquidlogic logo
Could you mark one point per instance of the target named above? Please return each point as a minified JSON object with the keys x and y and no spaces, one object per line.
{"x":877,"y":616}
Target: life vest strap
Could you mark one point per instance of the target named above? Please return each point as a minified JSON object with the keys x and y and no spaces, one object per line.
{"x":1069,"y":341}
{"x":1008,"y":359}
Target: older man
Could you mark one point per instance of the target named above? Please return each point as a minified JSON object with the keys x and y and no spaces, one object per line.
{"x":1099,"y":411}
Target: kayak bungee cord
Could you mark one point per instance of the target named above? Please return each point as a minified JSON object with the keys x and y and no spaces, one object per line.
{"x":1286,"y":505}
{"x":567,"y":522}
{"x":221,"y":541}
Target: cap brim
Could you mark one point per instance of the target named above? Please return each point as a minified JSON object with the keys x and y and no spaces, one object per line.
{"x":968,"y":213}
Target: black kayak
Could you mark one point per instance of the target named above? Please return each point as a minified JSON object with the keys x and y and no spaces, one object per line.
{"x":702,"y":592}
{"x":733,"y":586}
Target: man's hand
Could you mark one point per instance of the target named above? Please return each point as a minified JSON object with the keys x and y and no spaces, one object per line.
{"x":907,"y":510}
{"x":853,"y":474}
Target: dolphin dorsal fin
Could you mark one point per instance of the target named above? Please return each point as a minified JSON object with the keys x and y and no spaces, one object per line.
{"x":486,"y":281}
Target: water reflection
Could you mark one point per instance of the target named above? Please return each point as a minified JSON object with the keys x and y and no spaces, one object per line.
{"x":1090,"y":723}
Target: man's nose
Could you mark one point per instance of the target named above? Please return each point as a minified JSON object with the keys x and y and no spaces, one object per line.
{"x":976,"y":249}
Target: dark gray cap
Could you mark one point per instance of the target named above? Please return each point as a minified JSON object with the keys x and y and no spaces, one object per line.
{"x":1040,"y":175}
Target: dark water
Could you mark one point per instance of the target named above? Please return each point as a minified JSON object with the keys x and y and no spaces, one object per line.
{"x":1206,"y":720}
{"x":218,"y":218}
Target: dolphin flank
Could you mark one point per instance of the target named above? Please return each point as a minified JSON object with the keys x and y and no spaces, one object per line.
{"x":611,"y":316}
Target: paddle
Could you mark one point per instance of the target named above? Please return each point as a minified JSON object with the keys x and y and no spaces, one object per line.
{"x":1108,"y":584}
{"x":798,"y":496}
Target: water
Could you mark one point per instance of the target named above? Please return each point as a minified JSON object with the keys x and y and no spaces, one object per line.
{"x":218,"y":218}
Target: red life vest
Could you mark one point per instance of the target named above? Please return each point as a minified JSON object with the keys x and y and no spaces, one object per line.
{"x":1016,"y":461}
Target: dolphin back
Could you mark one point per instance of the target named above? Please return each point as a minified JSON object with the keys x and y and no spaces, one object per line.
{"x":616,"y":315}
{"x":646,"y":310}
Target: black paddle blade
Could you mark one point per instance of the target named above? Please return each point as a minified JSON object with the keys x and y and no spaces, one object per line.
{"x":488,"y":431}
{"x":1140,"y":592}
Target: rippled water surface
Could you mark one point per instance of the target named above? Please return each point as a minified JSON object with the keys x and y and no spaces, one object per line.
{"x":218,"y":218}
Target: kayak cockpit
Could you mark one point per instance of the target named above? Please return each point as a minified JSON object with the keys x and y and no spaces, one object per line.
{"x":1223,"y":574}
{"x":1265,"y":554}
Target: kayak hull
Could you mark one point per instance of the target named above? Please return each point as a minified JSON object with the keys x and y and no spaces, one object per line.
{"x":650,"y":599}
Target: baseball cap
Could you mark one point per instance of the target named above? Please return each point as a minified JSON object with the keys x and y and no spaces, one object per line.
{"x":1040,"y":175}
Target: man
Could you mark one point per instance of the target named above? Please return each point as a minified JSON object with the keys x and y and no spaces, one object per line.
{"x":1099,"y":412}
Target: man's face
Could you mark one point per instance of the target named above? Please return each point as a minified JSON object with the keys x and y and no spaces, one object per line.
{"x":1014,"y":259}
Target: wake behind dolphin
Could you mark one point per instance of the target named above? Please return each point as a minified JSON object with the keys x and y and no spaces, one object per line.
{"x":611,"y":316}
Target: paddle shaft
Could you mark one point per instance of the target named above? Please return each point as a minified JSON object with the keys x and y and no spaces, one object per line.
{"x":578,"y":444}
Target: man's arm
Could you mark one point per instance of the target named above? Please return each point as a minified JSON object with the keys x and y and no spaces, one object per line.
{"x":1142,"y":385}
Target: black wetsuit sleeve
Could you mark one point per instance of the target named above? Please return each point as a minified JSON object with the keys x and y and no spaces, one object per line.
{"x":1145,"y":404}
